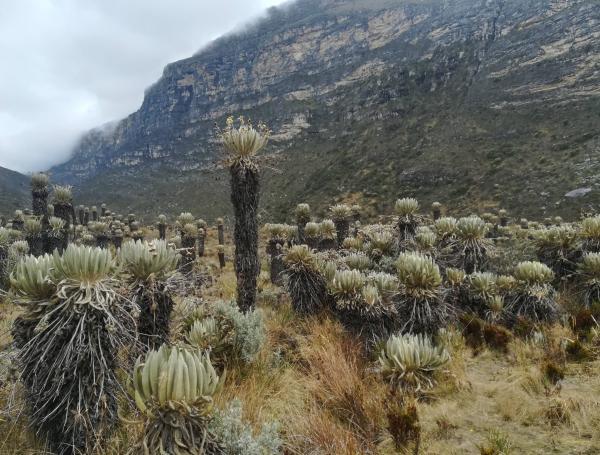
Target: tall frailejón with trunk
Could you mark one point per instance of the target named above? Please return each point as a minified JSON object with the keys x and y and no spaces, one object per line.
{"x":242,"y":141}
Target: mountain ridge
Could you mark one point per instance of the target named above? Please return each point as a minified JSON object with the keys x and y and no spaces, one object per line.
{"x":455,"y":100}
{"x":14,"y":191}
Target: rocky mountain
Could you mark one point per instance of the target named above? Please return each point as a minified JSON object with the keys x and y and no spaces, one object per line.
{"x":14,"y":192}
{"x":475,"y":103}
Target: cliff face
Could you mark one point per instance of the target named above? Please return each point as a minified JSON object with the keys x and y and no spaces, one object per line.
{"x":472,"y":102}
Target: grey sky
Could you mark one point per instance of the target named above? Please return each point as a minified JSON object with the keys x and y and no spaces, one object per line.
{"x":71,"y":65}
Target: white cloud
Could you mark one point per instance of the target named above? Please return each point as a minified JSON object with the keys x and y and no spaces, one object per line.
{"x":71,"y":65}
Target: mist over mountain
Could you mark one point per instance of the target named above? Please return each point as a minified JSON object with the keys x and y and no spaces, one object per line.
{"x":82,"y":64}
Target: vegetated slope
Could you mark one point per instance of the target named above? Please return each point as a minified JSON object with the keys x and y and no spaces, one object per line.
{"x":14,"y":191}
{"x":471,"y":102}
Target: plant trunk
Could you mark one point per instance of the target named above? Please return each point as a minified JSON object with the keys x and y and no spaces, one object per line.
{"x":245,"y":189}
{"x":221,"y":234}
{"x":188,"y":254}
{"x":342,"y":228}
{"x":75,"y":406}
{"x":54,"y":242}
{"x":312,"y":242}
{"x":301,"y":225}
{"x":102,"y":241}
{"x":201,"y":239}
{"x":156,"y":306}
{"x":36,"y":244}
{"x":64,"y":212}
{"x":327,"y":244}
{"x":274,"y":249}
{"x":40,"y":202}
{"x":3,"y":259}
{"x":162,"y":231}
{"x":18,"y":225}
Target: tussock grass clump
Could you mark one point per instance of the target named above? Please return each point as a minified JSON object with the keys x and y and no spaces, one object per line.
{"x":497,"y":444}
{"x":344,"y":413}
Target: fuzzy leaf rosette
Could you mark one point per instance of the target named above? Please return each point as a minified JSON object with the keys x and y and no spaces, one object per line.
{"x":173,"y":387}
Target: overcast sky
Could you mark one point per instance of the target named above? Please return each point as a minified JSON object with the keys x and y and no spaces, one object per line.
{"x":70,"y":65}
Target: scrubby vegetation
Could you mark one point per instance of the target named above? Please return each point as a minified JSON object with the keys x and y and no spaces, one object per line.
{"x":410,"y":333}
